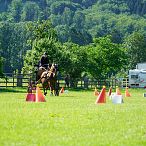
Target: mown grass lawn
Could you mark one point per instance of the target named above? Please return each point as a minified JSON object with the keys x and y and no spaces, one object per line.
{"x":72,"y":119}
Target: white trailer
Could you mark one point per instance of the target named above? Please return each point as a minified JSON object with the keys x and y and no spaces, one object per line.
{"x":141,"y":66}
{"x":137,"y":77}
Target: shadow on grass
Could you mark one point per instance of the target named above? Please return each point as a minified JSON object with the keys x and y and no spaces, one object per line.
{"x":16,"y":90}
{"x":71,"y":96}
{"x":78,"y":89}
{"x":24,"y":90}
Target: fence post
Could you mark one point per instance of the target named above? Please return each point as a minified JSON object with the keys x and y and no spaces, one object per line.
{"x":13,"y":80}
{"x":86,"y":82}
{"x":19,"y":80}
{"x":112,"y":82}
{"x":115,"y":83}
{"x":6,"y":81}
{"x":81,"y":83}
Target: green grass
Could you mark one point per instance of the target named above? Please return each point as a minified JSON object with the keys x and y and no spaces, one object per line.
{"x":72,"y":119}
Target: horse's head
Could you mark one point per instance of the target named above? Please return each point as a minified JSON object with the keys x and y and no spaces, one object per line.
{"x":53,"y":70}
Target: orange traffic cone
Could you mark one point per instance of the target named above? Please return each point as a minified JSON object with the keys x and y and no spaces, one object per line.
{"x":102,"y":96}
{"x":62,"y":90}
{"x":118,"y":92}
{"x":39,"y":95}
{"x":96,"y":93}
{"x":110,"y":91}
{"x":30,"y":97}
{"x":127,"y":94}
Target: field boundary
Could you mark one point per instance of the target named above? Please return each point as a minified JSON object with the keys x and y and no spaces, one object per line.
{"x":22,"y":80}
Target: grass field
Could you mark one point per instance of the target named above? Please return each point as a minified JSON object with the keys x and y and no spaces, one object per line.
{"x":72,"y":119}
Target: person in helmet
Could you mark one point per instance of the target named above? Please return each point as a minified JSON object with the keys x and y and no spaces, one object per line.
{"x":44,"y":60}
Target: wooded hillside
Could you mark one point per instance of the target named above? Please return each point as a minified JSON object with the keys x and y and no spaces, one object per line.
{"x":76,"y":18}
{"x":76,"y":21}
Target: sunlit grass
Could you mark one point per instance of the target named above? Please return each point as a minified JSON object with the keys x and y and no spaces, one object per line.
{"x":72,"y":119}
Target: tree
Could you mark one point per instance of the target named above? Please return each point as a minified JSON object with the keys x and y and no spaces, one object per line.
{"x":81,"y":36}
{"x":15,"y":10}
{"x":105,"y":58}
{"x":6,"y":32}
{"x":13,"y":37}
{"x":30,"y":12}
{"x":62,"y":32}
{"x":44,"y":40}
{"x":79,"y":19}
{"x":74,"y":61}
{"x":67,"y":17}
{"x":136,"y":49}
{"x":1,"y":67}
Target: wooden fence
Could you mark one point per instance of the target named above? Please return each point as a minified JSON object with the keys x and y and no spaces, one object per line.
{"x":22,"y":80}
{"x":15,"y":80}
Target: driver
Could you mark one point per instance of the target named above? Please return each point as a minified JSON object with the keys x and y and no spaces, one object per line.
{"x":43,"y":63}
{"x":44,"y":60}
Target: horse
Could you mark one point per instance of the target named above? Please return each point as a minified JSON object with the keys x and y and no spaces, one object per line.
{"x":48,"y":79}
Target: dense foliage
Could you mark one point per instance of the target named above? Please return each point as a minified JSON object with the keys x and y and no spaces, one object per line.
{"x":80,"y":20}
{"x":79,"y":28}
{"x":1,"y":71}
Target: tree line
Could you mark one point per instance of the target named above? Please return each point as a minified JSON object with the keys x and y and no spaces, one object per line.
{"x":100,"y":59}
{"x":82,"y":20}
{"x":98,"y":37}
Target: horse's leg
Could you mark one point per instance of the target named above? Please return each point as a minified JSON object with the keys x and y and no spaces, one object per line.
{"x":44,"y":89}
{"x":47,"y":88}
{"x":45,"y":93}
{"x":51,"y":90}
{"x":57,"y":88}
{"x":54,"y":86}
{"x":51,"y":93}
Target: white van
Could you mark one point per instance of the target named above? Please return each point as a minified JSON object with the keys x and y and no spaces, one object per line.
{"x":137,"y":78}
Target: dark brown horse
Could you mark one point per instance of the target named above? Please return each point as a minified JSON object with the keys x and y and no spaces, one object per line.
{"x":48,"y":78}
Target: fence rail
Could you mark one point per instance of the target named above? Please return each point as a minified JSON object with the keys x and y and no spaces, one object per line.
{"x":22,"y":80}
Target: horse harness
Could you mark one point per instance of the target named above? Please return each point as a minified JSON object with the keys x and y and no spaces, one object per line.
{"x":48,"y":74}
